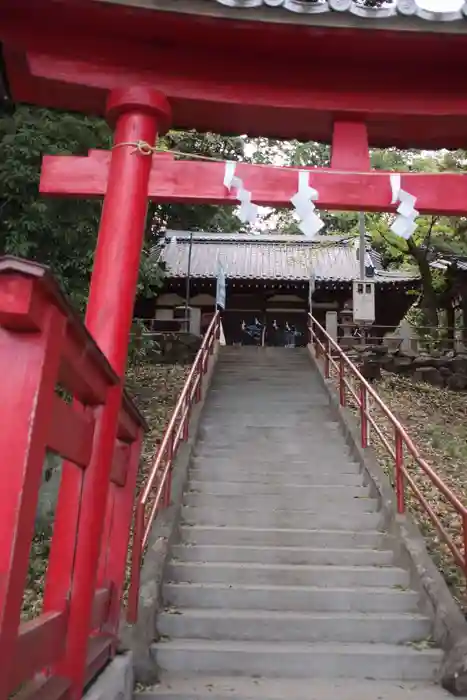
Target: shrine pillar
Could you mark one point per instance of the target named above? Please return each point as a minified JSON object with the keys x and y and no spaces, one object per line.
{"x":75,"y":566}
{"x":139,"y":114}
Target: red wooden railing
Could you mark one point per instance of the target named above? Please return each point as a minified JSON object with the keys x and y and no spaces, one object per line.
{"x":338,"y":366}
{"x":45,"y":347}
{"x":156,"y":493}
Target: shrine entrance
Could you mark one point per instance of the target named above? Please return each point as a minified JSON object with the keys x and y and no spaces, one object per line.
{"x":148,"y":71}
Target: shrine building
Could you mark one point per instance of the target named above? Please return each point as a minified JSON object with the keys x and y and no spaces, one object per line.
{"x":268,"y":283}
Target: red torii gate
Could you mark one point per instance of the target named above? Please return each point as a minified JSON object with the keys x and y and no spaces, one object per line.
{"x":127,"y":177}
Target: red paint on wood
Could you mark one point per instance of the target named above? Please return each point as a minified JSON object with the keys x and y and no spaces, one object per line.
{"x":128,"y":427}
{"x":45,"y":687}
{"x":99,"y":652}
{"x":120,"y":464}
{"x":108,"y":318}
{"x":114,"y":559}
{"x":350,"y":150}
{"x":100,"y":608}
{"x":260,"y":90}
{"x":20,"y":307}
{"x":40,"y":643}
{"x":84,"y":371}
{"x":286,"y":101}
{"x":26,"y":401}
{"x":71,"y":433}
{"x":202,"y":183}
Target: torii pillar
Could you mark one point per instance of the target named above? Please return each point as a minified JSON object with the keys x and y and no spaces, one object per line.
{"x":139,"y":114}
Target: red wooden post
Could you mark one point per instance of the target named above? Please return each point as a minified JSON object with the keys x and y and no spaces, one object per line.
{"x":119,"y":535}
{"x":139,"y":114}
{"x":31,"y":336}
{"x":400,"y":486}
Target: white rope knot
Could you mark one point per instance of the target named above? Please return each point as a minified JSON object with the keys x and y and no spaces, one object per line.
{"x":141,"y":147}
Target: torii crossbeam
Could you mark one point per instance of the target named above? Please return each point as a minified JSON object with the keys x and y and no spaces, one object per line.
{"x":349,"y":184}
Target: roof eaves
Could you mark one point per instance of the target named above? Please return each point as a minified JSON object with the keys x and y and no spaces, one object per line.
{"x":359,"y":8}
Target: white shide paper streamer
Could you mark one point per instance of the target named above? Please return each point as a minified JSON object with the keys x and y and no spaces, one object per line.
{"x":248,"y":211}
{"x":303,"y":202}
{"x":404,"y":225}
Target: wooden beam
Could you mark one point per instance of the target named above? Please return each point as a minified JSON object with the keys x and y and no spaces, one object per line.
{"x":194,"y":182}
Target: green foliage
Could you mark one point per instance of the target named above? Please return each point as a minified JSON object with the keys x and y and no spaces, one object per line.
{"x":62,"y":233}
{"x":58,"y":232}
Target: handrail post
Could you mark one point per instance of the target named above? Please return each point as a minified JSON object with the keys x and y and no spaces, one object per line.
{"x":315,"y":341}
{"x":363,"y":416}
{"x":169,"y":457}
{"x":136,"y":556}
{"x":400,"y":486}
{"x":186,"y":420}
{"x":327,"y":358}
{"x":342,"y":395}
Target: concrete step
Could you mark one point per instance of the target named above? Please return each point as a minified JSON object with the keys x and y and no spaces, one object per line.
{"x":332,"y":539}
{"x":314,"y":491}
{"x":283,"y":555}
{"x":299,"y":501}
{"x":237,"y":441}
{"x":397,"y":599}
{"x":198,"y":687}
{"x":303,"y":519}
{"x":213,"y":429}
{"x":275,"y":626}
{"x":278,"y":463}
{"x":275,"y":452}
{"x":297,"y":660}
{"x":259,"y":474}
{"x":286,"y":574}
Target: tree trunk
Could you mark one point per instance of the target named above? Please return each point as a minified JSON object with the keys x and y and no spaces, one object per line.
{"x":429,"y":302}
{"x":451,"y":326}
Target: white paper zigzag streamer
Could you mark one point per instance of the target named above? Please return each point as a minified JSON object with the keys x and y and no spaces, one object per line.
{"x":248,"y":211}
{"x":303,"y":202}
{"x":404,"y":224}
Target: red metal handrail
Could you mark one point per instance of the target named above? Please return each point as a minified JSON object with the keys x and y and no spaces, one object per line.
{"x":402,"y":441}
{"x":161,"y":472}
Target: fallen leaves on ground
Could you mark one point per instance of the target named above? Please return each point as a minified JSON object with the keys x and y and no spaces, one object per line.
{"x":156,"y":389}
{"x":436,"y":421}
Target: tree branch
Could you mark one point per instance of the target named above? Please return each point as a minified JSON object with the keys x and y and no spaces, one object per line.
{"x":391,"y":243}
{"x":426,"y":242}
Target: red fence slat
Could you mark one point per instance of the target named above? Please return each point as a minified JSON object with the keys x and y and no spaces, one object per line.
{"x":100,"y":607}
{"x":120,"y":463}
{"x":40,"y":642}
{"x":71,"y":433}
{"x":45,"y":346}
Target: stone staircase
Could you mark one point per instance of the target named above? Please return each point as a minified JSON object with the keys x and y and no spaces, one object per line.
{"x":283,"y":584}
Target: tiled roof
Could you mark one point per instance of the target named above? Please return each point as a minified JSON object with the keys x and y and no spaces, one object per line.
{"x":270,"y":257}
{"x":361,"y":8}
